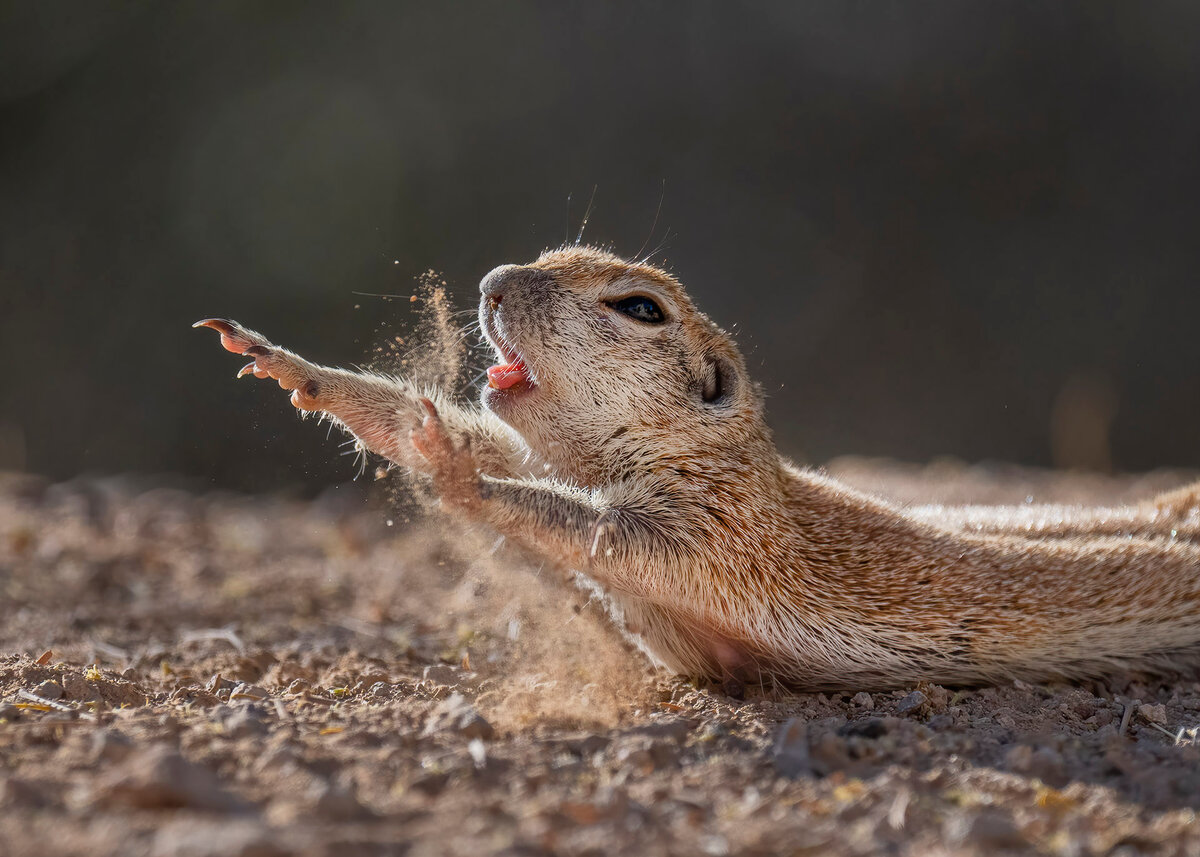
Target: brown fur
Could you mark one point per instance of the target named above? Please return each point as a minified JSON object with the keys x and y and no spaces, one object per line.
{"x":722,"y":558}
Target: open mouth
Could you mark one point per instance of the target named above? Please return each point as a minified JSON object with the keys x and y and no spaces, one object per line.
{"x":510,"y":373}
{"x":506,"y":375}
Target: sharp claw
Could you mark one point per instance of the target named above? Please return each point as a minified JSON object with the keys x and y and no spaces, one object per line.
{"x":247,"y":369}
{"x":221,"y":325}
{"x":430,"y":407}
{"x":230,"y":332}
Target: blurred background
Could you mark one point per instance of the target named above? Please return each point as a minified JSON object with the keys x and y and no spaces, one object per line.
{"x":937,"y":228}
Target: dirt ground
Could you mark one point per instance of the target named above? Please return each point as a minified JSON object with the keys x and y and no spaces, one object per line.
{"x":185,"y":673}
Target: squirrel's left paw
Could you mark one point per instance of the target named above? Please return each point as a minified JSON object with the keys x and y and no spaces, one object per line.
{"x":452,"y":466}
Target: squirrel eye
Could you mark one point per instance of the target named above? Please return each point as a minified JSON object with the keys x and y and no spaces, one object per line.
{"x":641,"y":308}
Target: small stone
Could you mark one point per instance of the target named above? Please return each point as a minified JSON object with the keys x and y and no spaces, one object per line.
{"x":589,"y":745}
{"x":1048,"y":766}
{"x":297,"y":687}
{"x":828,"y":754}
{"x":276,"y":757}
{"x":160,"y":778}
{"x":989,"y":829}
{"x":1004,"y":719}
{"x":647,"y":755}
{"x":20,"y":792}
{"x":675,"y":729}
{"x":78,"y":689}
{"x":458,"y":716}
{"x":1083,"y":707}
{"x":1019,"y":758}
{"x":110,"y":746}
{"x":941,"y":722}
{"x":938,"y":696}
{"x":8,"y":711}
{"x":912,"y":703}
{"x":431,"y":783}
{"x":247,"y":722}
{"x":1153,"y":714}
{"x":338,"y":802}
{"x":872,"y":727}
{"x":218,"y":683}
{"x":48,"y":689}
{"x":790,"y":753}
{"x":225,"y":838}
{"x":443,"y":674}
{"x":863,"y":700}
{"x":248,"y":691}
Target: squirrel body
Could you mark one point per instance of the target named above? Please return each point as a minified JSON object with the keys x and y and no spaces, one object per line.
{"x":621,"y":436}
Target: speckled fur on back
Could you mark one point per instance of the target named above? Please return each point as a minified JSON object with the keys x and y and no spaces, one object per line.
{"x":638,"y":455}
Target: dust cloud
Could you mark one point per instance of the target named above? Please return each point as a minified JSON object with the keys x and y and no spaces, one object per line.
{"x":562,"y":660}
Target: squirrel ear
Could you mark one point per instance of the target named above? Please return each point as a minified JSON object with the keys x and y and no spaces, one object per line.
{"x":715,"y":380}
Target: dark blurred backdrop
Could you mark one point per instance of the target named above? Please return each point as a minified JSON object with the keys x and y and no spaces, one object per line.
{"x":938,"y":228}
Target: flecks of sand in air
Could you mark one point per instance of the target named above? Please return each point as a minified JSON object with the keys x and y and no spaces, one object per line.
{"x":562,"y":661}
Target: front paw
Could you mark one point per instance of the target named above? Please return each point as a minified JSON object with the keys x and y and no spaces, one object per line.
{"x":452,"y":466}
{"x":270,"y":361}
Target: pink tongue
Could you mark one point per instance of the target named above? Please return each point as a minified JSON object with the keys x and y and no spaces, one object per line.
{"x":503,"y":377}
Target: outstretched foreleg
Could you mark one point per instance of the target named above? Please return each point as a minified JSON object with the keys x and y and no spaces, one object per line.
{"x":377,"y":409}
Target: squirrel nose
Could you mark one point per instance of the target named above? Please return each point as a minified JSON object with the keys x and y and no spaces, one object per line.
{"x":493,"y":284}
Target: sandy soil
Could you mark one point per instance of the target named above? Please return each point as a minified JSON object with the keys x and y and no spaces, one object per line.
{"x":225,"y":675}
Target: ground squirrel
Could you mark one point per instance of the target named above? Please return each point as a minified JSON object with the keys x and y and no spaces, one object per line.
{"x":621,"y":436}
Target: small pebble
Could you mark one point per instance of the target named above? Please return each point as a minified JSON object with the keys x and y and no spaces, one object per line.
{"x":456,"y":715}
{"x":872,"y":727}
{"x":338,"y":802}
{"x":790,"y":753}
{"x":828,"y":754}
{"x":198,"y":837}
{"x":248,"y":691}
{"x":48,"y":689}
{"x":913,"y":702}
{"x":219,"y":683}
{"x":110,"y":746}
{"x":940,"y":722}
{"x":443,"y":674}
{"x":989,"y":829}
{"x":77,"y":688}
{"x":863,"y":700}
{"x":645,"y":756}
{"x":1153,"y":713}
{"x":247,"y":722}
{"x":431,"y":783}
{"x":160,"y":778}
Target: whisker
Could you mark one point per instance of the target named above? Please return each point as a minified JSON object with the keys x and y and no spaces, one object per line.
{"x":661,"y":245}
{"x":661,"y":196}
{"x":380,"y":295}
{"x":586,"y":214}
